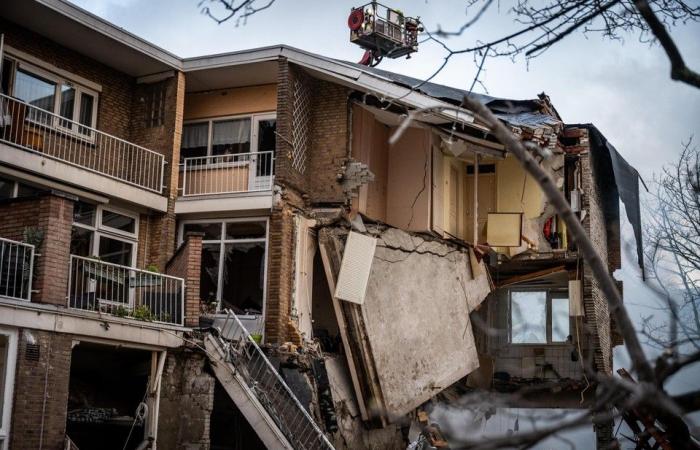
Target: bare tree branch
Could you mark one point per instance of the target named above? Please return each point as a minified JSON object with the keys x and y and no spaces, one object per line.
{"x":679,"y":70}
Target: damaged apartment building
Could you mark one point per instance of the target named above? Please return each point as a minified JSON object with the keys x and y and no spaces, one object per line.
{"x":227,"y":252}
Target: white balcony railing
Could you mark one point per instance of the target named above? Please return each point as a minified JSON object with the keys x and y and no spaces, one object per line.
{"x":125,"y":291}
{"x":224,"y":174}
{"x":16,"y":269}
{"x":40,"y":131}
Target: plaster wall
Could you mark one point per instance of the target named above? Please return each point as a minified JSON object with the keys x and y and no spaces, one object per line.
{"x":408,"y":185}
{"x":416,"y":317}
{"x":230,"y":102}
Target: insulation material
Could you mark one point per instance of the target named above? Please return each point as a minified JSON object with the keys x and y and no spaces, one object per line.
{"x":412,"y":336}
{"x":504,"y":229}
{"x":355,"y":269}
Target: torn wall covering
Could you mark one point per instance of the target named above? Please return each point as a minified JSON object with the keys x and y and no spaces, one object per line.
{"x":412,"y":336}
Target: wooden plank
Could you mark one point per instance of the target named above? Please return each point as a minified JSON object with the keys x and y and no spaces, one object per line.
{"x":531,"y":276}
{"x":331,"y":271}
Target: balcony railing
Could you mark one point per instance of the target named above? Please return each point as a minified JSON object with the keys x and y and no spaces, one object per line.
{"x":274,"y":394}
{"x":225,"y":174}
{"x":40,"y":131}
{"x":125,"y":291}
{"x":16,"y":269}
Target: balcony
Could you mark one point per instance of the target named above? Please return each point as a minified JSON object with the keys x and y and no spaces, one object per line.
{"x":125,"y":291}
{"x":16,"y":269}
{"x":49,"y":135}
{"x":229,"y":182}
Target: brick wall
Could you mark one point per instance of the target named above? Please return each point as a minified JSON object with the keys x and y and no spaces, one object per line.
{"x":115,"y":100}
{"x":41,"y":391}
{"x":326,"y":155}
{"x":597,"y":314}
{"x":280,"y":273}
{"x":187,"y":264}
{"x":165,"y":139}
{"x":329,"y":142}
{"x":53,"y":214}
{"x":186,"y":402}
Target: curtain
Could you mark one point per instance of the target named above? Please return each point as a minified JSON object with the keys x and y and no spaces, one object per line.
{"x":195,"y":135}
{"x":231,"y":132}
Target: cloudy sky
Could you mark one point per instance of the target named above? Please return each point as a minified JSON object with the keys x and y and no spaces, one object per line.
{"x":623,"y":88}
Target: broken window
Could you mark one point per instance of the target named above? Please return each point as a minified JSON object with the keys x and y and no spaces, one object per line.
{"x":538,"y":317}
{"x":233,"y":263}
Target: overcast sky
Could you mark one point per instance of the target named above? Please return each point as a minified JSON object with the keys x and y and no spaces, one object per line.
{"x":622,"y":88}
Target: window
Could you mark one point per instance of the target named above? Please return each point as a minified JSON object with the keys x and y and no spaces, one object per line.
{"x":13,"y":189}
{"x":75,"y":104}
{"x":233,"y":271}
{"x":155,"y":105}
{"x":104,"y":233}
{"x":8,"y":358}
{"x":228,"y":136}
{"x":538,"y":317}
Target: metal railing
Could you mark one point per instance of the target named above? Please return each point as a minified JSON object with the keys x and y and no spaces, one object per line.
{"x":125,"y":291}
{"x":224,"y":174}
{"x":16,"y":269}
{"x":40,"y":131}
{"x":262,"y":378}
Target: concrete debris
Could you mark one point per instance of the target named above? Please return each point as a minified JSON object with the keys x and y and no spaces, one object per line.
{"x":408,"y":348}
{"x":356,"y":174}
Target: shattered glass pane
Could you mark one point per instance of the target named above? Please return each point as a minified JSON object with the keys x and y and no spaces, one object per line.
{"x":560,"y":319}
{"x":528,"y":317}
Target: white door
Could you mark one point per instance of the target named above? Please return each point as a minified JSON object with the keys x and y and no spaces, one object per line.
{"x":262,"y":157}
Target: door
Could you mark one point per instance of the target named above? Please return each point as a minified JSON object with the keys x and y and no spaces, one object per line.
{"x":262,"y":160}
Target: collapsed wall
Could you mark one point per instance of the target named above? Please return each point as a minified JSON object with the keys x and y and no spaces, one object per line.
{"x":411,"y":336}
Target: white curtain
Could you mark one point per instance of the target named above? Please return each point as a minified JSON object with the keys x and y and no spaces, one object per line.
{"x":195,"y":135}
{"x":231,"y":132}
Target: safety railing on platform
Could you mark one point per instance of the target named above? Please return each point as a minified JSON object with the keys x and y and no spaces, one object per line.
{"x":40,"y":131}
{"x":225,"y":174}
{"x":124,"y":291}
{"x":16,"y":269}
{"x":274,"y":394}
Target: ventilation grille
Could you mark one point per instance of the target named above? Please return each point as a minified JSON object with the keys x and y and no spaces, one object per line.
{"x":31,"y":352}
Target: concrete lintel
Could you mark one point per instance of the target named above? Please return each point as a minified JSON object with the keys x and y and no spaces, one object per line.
{"x":220,"y":203}
{"x":58,"y":170}
{"x":87,"y":324}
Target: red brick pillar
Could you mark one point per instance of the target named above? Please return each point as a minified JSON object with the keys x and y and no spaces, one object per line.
{"x":52,"y":266}
{"x":187,"y":264}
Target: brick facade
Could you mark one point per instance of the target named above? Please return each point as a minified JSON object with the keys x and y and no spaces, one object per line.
{"x":318,"y":184}
{"x":186,"y":402}
{"x":187,"y":264}
{"x":41,"y":391}
{"x":53,"y":215}
{"x":597,"y":314}
{"x":115,"y":100}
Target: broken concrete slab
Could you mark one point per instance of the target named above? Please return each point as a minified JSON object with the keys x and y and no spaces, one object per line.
{"x":412,"y":336}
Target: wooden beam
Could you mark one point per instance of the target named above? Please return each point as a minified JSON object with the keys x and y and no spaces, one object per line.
{"x":531,"y":276}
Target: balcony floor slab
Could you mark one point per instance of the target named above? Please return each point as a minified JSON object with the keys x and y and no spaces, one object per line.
{"x":86,"y":179}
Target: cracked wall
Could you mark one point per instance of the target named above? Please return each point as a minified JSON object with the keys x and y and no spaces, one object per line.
{"x":415,"y":318}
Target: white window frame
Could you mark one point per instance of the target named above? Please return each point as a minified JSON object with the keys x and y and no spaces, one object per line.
{"x":254,"y":127}
{"x":223,"y":241}
{"x":100,"y":230}
{"x":60,"y":82}
{"x":550,"y":293}
{"x":9,"y":385}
